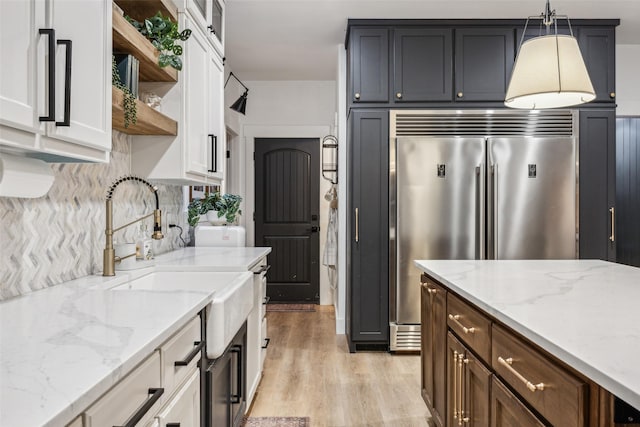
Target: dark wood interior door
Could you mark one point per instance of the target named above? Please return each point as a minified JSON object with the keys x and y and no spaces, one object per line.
{"x":287,"y":185}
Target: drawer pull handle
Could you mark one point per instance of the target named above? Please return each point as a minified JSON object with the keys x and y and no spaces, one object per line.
{"x":430,"y":291}
{"x":266,"y":342}
{"x":266,"y":300}
{"x":189,"y":357}
{"x":507,"y":364}
{"x":464,"y":328}
{"x":155,"y":394}
{"x":263,"y":269}
{"x":455,"y":385}
{"x":612,"y":211}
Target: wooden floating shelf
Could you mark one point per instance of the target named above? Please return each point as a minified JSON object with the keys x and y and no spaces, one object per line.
{"x":150,"y":121}
{"x":127,"y":39}
{"x":141,"y":9}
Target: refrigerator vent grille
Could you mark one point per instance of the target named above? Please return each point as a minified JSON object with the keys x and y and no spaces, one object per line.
{"x":482,"y":123}
{"x":405,"y":338}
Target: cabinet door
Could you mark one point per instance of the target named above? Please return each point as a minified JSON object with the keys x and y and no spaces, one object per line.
{"x":369,"y":224}
{"x":477,"y":380}
{"x":507,"y":410}
{"x":455,"y":382}
{"x":483,"y":63}
{"x":24,"y":49}
{"x":369,"y":63}
{"x":196,"y":131}
{"x":184,"y":408}
{"x":422,"y":63}
{"x":434,"y":354}
{"x":597,"y":184}
{"x":88,"y":110}
{"x":598,"y":47}
{"x":216,"y":136}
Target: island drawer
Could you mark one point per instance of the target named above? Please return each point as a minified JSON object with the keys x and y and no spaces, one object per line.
{"x":473,"y":328}
{"x":180,"y":354}
{"x":556,"y":394}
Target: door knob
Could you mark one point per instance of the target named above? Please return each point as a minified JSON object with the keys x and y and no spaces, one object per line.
{"x":357,"y":96}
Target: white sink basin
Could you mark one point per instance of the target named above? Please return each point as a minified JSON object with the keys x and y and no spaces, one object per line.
{"x":231,"y":299}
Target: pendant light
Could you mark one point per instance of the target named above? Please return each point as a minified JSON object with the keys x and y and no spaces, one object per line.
{"x":549,"y":71}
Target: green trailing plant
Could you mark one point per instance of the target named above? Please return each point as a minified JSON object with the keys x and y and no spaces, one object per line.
{"x":227,"y":205}
{"x":129,"y":101}
{"x":163,"y":34}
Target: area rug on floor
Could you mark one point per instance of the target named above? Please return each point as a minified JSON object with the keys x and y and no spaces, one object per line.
{"x":291,"y":307}
{"x":276,"y":422}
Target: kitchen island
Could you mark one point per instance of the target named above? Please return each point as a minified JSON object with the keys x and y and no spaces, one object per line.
{"x":578,"y":315}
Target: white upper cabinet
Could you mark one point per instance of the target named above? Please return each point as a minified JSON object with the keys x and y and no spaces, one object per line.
{"x":55,"y":95}
{"x":209,"y":16}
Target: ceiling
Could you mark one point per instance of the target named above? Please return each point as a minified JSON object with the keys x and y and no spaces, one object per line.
{"x":298,"y":39}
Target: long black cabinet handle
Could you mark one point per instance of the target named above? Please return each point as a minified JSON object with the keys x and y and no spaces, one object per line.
{"x":51,"y":48}
{"x":263,"y":268}
{"x":189,"y":357}
{"x":266,"y":342}
{"x":266,"y":300}
{"x":172,"y":425}
{"x":214,"y":154}
{"x":66,"y":120}
{"x":155,"y":394}
{"x":237,"y":398}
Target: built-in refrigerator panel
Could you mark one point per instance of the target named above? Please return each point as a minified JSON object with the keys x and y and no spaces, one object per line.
{"x":439,"y":206}
{"x":531,"y":198}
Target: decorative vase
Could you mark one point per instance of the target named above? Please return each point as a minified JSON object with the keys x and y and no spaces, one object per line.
{"x":212,"y":217}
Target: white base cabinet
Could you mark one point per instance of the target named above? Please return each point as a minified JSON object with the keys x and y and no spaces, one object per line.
{"x":55,"y":96}
{"x":184,"y":408}
{"x":256,"y":332}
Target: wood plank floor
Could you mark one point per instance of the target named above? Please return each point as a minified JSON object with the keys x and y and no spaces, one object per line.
{"x":310,"y":372}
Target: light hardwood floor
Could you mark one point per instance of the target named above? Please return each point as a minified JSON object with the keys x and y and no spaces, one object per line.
{"x":310,"y":372}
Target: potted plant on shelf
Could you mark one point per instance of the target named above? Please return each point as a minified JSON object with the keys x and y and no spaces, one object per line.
{"x":218,"y":209}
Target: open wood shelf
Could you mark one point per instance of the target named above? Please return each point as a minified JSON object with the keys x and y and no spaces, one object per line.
{"x":150,"y":121}
{"x":127,"y":39}
{"x":141,"y":9}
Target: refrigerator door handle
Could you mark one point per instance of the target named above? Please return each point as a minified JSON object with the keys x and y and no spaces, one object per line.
{"x":494,"y":210}
{"x":480,"y":212}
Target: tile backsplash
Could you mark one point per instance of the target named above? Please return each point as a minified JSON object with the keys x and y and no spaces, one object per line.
{"x":60,"y":237}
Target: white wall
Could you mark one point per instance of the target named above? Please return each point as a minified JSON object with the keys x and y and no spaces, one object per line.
{"x":287,"y":109}
{"x":343,"y":161}
{"x":628,"y":80}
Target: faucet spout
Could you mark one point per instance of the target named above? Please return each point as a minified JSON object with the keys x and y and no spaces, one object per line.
{"x":109,"y":258}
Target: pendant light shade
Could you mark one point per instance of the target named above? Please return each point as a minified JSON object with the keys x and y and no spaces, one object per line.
{"x":549,"y":72}
{"x":241,"y":104}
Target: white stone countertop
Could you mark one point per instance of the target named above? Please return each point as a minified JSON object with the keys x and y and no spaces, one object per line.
{"x":211,"y":259}
{"x":584,"y":312}
{"x":62,"y":347}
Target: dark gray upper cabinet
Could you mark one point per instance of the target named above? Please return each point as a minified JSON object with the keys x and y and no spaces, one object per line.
{"x":598,"y":47}
{"x":422,"y":64}
{"x":368,"y":213}
{"x":483,"y":63}
{"x":597,"y":179}
{"x":369,"y":63}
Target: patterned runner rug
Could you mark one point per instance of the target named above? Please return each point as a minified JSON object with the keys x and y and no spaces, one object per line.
{"x":276,"y":422}
{"x":291,"y":307}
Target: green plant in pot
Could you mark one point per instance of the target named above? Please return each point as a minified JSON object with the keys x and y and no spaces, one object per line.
{"x":163,"y":34}
{"x":216,"y":206}
{"x":129,"y":101}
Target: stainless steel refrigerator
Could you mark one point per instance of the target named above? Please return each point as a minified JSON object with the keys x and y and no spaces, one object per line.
{"x":476,"y":185}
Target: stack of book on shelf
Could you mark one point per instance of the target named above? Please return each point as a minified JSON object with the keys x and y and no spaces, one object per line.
{"x":128,"y":66}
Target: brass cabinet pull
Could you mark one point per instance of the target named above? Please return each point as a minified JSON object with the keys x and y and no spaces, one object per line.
{"x":357,"y":95}
{"x":464,"y":329}
{"x":464,"y":413}
{"x":612,"y":211}
{"x":460,"y":389}
{"x":430,"y":291}
{"x":399,"y":95}
{"x":507,"y":364}
{"x":357,"y":226}
{"x":455,"y":385}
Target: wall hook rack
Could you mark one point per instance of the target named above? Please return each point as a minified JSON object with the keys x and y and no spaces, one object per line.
{"x":330,"y":158}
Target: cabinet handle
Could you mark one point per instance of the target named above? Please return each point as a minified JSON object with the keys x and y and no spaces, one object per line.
{"x":357,"y":95}
{"x":507,"y":364}
{"x":155,"y":394}
{"x":455,"y":385}
{"x":466,"y":330}
{"x":266,"y":342}
{"x":399,"y":95}
{"x":263,"y":269}
{"x":237,"y":350}
{"x":51,"y":50}
{"x":66,"y":119}
{"x":357,"y":226}
{"x":199,"y":345}
{"x":612,"y":95}
{"x":460,"y":389}
{"x":459,"y":94}
{"x":266,"y":300}
{"x":172,"y":425}
{"x":612,"y":211}
{"x":211,"y":29}
{"x":214,"y":154}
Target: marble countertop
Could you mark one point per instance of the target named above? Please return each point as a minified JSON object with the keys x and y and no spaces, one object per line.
{"x":211,"y":259}
{"x":584,"y":312}
{"x":62,"y":347}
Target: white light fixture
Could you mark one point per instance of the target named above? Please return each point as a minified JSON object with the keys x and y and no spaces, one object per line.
{"x":549,"y":71}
